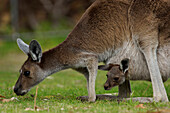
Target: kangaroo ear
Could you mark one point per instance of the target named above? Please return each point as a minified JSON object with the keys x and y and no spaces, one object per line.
{"x":35,"y":51}
{"x":105,"y":67}
{"x":124,"y":65}
{"x":23,"y":46}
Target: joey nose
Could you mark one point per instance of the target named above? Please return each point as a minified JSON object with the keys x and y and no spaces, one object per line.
{"x":106,"y":87}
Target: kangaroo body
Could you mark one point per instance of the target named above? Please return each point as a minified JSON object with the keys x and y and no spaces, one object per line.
{"x":138,"y":69}
{"x":107,"y":31}
{"x":100,"y":36}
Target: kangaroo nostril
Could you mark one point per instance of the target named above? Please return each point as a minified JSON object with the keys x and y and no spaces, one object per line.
{"x":15,"y":90}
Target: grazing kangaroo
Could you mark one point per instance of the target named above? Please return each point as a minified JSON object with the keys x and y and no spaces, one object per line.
{"x":108,"y":30}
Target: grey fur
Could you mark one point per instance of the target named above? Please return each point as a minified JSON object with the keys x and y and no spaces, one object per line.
{"x":23,"y":46}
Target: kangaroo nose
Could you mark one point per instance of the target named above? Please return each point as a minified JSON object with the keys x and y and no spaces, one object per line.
{"x":15,"y":90}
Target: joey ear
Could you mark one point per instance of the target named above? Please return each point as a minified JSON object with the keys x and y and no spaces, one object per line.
{"x":23,"y":46}
{"x":35,"y":51}
{"x":124,"y":65}
{"x":105,"y":67}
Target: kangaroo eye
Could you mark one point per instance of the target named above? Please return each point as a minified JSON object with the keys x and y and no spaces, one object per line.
{"x":27,"y":73}
{"x":107,"y":75}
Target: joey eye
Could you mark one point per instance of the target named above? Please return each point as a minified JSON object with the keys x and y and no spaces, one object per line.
{"x":27,"y":73}
{"x":107,"y":76}
{"x":116,"y":78}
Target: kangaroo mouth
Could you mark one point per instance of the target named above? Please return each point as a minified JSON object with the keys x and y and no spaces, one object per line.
{"x":21,"y":93}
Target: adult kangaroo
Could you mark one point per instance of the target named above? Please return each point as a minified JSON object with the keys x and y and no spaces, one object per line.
{"x":106,"y":29}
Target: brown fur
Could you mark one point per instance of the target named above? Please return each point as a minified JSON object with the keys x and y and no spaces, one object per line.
{"x":101,"y":34}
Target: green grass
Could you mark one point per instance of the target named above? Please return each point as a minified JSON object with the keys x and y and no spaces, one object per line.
{"x":59,"y":92}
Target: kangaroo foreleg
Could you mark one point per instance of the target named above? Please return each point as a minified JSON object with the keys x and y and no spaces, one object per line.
{"x":92,"y":67}
{"x":89,"y":67}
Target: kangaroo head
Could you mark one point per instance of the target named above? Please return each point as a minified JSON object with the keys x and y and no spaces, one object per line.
{"x":116,"y":73}
{"x":30,"y":72}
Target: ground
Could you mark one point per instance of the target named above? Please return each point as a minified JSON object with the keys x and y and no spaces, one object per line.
{"x":58,"y":92}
